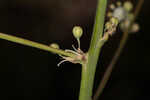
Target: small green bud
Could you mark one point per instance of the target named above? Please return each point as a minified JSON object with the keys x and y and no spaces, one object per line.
{"x":77,"y":31}
{"x":108,"y":25}
{"x":128,"y":6}
{"x":54,"y":45}
{"x":114,"y":21}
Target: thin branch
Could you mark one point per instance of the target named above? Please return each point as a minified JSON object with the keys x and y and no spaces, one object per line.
{"x":34,"y":44}
{"x":117,"y":55}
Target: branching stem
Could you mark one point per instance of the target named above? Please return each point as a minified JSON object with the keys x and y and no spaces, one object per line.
{"x":117,"y":54}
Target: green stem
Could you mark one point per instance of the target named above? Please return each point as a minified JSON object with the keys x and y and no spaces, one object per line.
{"x":88,"y":68}
{"x":34,"y":44}
{"x":78,"y":40}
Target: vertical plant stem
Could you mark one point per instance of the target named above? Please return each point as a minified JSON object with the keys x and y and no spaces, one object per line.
{"x":88,"y":68}
{"x":117,"y":54}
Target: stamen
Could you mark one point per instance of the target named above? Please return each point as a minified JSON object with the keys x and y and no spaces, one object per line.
{"x":71,"y":51}
{"x":74,"y":48}
{"x":61,"y":62}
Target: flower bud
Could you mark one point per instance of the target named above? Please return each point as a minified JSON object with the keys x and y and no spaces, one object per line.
{"x":77,"y":32}
{"x":114,"y":21}
{"x":54,"y":45}
{"x":118,"y":3}
{"x":128,"y":6}
{"x":119,"y":13}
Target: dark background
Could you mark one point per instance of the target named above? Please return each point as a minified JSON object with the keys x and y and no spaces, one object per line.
{"x":28,"y":73}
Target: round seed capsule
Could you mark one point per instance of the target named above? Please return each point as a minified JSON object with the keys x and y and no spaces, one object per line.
{"x":54,"y":45}
{"x":128,"y":6}
{"x":77,"y":32}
